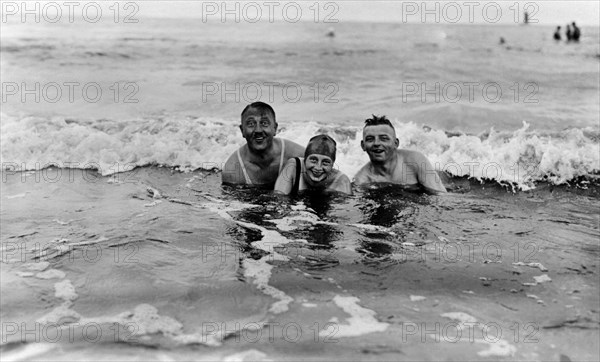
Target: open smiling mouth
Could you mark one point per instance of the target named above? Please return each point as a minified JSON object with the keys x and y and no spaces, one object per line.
{"x":319,"y":176}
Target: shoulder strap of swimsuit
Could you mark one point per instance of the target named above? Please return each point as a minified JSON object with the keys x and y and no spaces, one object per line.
{"x":248,"y":181}
{"x":337,"y":177}
{"x":282,"y":155}
{"x":296,"y":184}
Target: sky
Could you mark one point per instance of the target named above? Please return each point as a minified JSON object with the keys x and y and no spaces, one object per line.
{"x":545,"y":12}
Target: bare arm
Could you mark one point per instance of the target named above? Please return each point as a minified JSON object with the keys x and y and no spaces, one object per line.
{"x":286,"y":178}
{"x":427,"y":175}
{"x":362,"y":177}
{"x":342,"y":184}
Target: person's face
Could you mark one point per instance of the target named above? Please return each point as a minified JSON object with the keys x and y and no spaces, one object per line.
{"x":258,"y":128}
{"x":379,"y":142}
{"x":318,"y":168}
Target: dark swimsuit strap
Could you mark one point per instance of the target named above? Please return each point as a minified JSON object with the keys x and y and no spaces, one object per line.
{"x":296,"y":184}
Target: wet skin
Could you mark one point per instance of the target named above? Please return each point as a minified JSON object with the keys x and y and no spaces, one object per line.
{"x":380,"y":143}
{"x":258,"y":129}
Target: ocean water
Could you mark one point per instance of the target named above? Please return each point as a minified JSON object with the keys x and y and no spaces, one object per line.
{"x":118,"y":241}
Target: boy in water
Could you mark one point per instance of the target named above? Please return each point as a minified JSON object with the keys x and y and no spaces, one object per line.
{"x":315,"y":171}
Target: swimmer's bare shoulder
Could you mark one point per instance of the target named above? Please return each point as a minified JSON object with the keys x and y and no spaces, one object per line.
{"x":362,"y":176}
{"x":232,"y":173}
{"x":342,"y":184}
{"x":422,"y":167}
{"x":412,"y":160}
{"x":292,"y":149}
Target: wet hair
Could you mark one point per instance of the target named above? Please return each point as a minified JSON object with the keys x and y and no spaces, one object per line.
{"x":262,"y":107}
{"x":376,"y":121}
{"x":321,"y":145}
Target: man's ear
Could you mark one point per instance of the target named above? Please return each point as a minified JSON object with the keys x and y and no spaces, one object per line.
{"x":362,"y":145}
{"x":276,"y":127}
{"x":241,"y":129}
{"x":397,"y":142}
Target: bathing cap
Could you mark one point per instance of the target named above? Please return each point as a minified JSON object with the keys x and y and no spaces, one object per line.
{"x":321,"y":145}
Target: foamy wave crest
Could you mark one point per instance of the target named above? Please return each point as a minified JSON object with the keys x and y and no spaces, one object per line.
{"x":31,"y":142}
{"x":520,"y":158}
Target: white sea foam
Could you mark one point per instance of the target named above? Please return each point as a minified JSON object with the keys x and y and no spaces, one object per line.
{"x":39,"y":266}
{"x":460,"y":316}
{"x":293,"y":221}
{"x":51,"y":274}
{"x":521,"y":157}
{"x":499,"y":348}
{"x":260,"y":272}
{"x":533,"y":265}
{"x":250,"y":355}
{"x":361,"y":321}
{"x":29,"y":352}
{"x":65,"y":290}
{"x":25,"y":274}
{"x":61,"y":315}
{"x":542,"y":278}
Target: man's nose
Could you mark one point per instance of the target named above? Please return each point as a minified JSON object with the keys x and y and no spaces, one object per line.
{"x":258,"y":128}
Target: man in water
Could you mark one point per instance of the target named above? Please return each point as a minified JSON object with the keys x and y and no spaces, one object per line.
{"x":392,"y":165}
{"x":557,"y":33}
{"x":260,"y":160}
{"x":568,"y":33}
{"x":576,"y":33}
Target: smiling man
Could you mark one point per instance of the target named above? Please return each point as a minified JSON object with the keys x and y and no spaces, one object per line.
{"x":389,"y":164}
{"x":261,"y":159}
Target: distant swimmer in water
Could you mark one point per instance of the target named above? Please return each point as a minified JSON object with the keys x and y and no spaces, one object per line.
{"x":315,"y":171}
{"x":388,"y":164}
{"x":502,"y":41}
{"x":576,"y":32}
{"x":261,"y":159}
{"x":331,"y":32}
{"x":557,"y":33}
{"x":569,"y":34}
